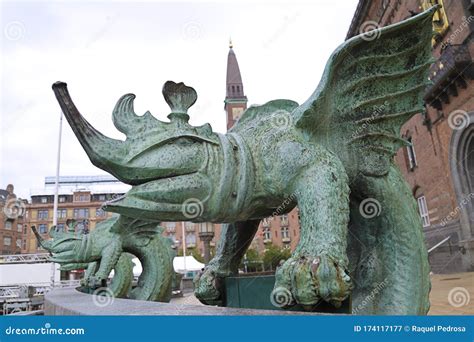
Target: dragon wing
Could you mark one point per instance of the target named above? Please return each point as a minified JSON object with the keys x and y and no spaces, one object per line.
{"x":372,"y":84}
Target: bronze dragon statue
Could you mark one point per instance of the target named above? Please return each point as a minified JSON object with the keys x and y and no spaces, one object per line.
{"x":332,"y":156}
{"x":110,"y":246}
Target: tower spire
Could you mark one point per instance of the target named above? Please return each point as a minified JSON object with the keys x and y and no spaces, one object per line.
{"x":235,"y":100}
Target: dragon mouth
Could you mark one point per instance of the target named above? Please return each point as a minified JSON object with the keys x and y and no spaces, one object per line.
{"x":165,"y":199}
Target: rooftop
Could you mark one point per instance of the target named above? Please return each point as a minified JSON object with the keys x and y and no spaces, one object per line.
{"x":69,"y":184}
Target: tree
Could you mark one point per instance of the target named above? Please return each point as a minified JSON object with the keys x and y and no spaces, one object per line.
{"x":252,"y":262}
{"x":197,"y":255}
{"x":273,"y":255}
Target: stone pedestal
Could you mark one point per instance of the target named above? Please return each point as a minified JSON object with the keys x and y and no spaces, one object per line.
{"x":61,"y":302}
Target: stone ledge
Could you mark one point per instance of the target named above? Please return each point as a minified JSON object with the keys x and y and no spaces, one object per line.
{"x":71,"y":302}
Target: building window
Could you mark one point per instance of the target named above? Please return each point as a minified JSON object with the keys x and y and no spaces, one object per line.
{"x":7,"y":241}
{"x":100,"y":212}
{"x":24,"y":244}
{"x":191,"y":239}
{"x":81,"y":198}
{"x":42,"y":214}
{"x":285,"y":234}
{"x":25,"y":229}
{"x":284,"y":220}
{"x":44,"y":200}
{"x":60,"y":227}
{"x":267,"y":234}
{"x":81,"y":213}
{"x":62,"y":213}
{"x":101,"y":197}
{"x":411,"y":154}
{"x":423,"y":208}
{"x":171,"y":224}
{"x":42,"y":228}
{"x":19,"y":227}
{"x":62,"y":199}
{"x":18,"y":243}
{"x":8,"y":225}
{"x":189,"y":226}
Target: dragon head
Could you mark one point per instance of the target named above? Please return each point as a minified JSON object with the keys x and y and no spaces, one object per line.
{"x":153,"y":149}
{"x":153,"y":154}
{"x":63,"y":245}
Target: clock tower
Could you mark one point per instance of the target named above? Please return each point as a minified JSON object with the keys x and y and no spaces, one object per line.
{"x":235,"y":99}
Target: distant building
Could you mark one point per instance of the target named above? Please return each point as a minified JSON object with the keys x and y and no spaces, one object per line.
{"x":439,"y":165}
{"x":13,"y":230}
{"x":80,"y":198}
{"x":194,"y":244}
{"x":235,"y":99}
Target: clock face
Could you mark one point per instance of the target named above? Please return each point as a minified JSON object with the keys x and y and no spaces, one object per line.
{"x":237,"y":112}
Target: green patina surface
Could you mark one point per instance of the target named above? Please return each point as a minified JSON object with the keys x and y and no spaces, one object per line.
{"x":110,"y":246}
{"x":332,"y":156}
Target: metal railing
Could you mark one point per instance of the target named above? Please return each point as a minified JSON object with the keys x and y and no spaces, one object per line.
{"x":439,"y":244}
{"x":37,"y":289}
{"x":24,"y":258}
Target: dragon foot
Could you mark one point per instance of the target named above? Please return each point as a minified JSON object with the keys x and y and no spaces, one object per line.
{"x":208,"y":286}
{"x":306,"y":279}
{"x":95,"y":282}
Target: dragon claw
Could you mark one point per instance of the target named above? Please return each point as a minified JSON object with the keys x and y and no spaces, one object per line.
{"x":307,"y":280}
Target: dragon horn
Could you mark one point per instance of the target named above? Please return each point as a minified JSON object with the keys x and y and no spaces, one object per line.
{"x":104,"y":152}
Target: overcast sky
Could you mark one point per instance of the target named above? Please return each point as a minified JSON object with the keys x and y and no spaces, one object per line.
{"x":106,"y":49}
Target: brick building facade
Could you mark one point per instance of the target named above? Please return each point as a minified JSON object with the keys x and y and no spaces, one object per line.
{"x":13,"y":231}
{"x":439,"y":166}
{"x":79,"y":198}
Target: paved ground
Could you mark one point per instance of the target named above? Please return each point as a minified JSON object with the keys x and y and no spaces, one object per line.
{"x":451,"y":294}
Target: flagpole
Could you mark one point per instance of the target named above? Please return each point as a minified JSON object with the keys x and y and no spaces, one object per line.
{"x":58,"y":163}
{"x":56,"y":191}
{"x":184,"y":246}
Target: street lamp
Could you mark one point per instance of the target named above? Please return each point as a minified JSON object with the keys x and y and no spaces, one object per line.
{"x":206,"y":234}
